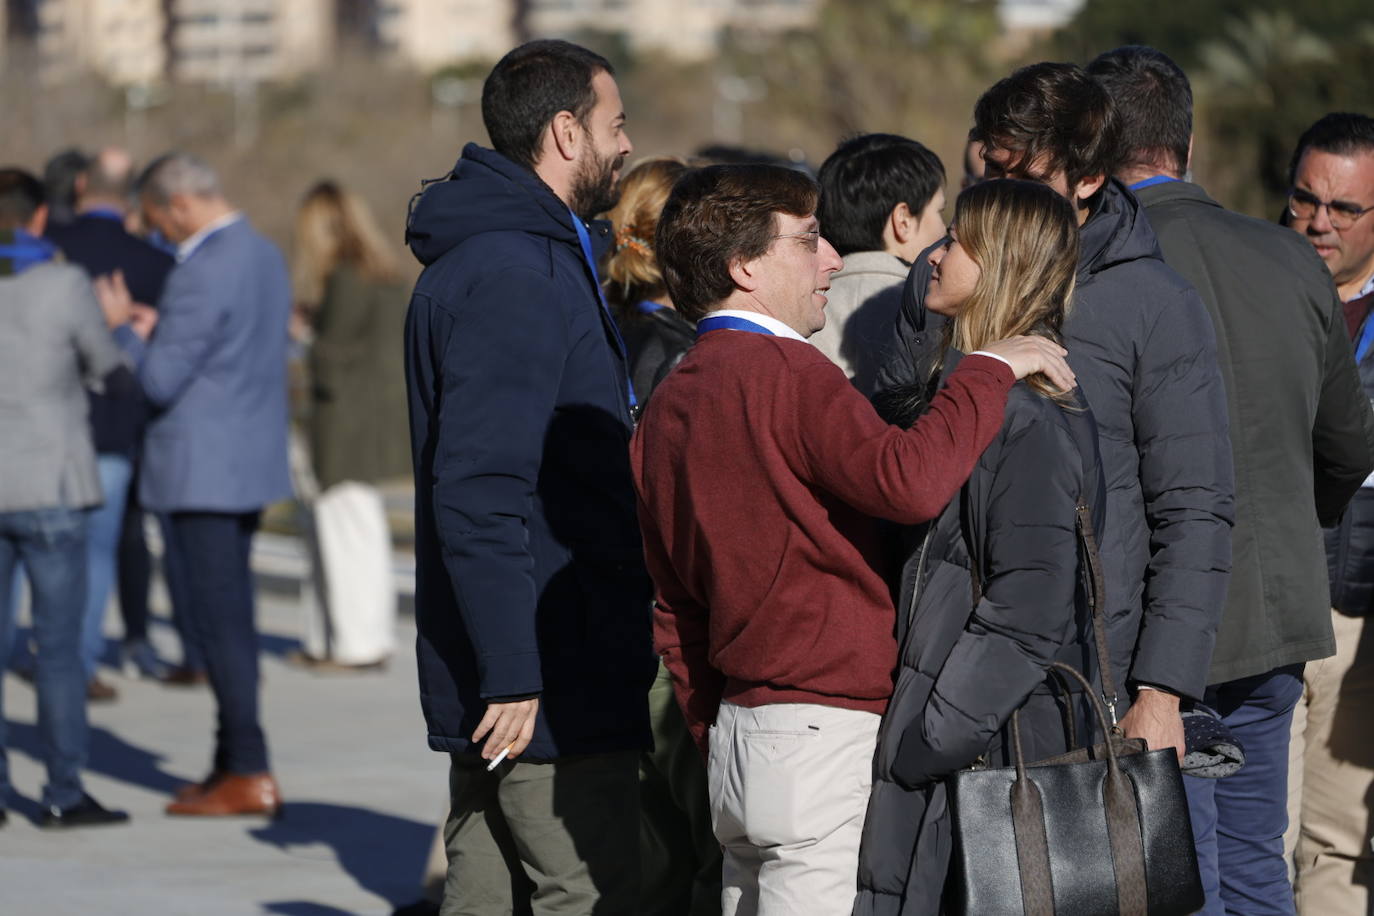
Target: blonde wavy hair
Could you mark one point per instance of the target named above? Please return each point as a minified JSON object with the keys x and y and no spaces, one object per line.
{"x":632,"y":272}
{"x":1024,"y":238}
{"x":335,"y":227}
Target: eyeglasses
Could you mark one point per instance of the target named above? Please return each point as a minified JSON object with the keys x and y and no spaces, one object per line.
{"x":1304,"y":205}
{"x":812,"y":238}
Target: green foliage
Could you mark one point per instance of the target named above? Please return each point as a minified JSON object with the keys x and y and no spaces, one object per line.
{"x":1260,"y":76}
{"x":1182,"y":29}
{"x":907,"y":66}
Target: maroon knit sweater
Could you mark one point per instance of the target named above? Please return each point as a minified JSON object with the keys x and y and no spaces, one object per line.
{"x":760,"y":469}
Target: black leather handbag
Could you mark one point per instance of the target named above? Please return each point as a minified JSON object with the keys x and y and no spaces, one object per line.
{"x":1100,"y":831}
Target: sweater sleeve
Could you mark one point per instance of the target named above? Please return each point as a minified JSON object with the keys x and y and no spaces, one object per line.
{"x":1030,"y":548}
{"x":1178,"y":406}
{"x":905,"y":476}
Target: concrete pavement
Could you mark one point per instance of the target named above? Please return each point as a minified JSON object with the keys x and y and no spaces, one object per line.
{"x":362,"y":792}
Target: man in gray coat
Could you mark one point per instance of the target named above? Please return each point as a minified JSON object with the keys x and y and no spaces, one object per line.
{"x":1143,"y":349}
{"x":52,"y":339}
{"x":1302,"y":438}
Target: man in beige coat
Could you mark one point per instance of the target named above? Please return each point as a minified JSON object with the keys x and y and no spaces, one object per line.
{"x":881,"y":202}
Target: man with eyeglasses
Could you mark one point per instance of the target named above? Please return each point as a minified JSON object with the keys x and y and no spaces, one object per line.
{"x":759,"y":469}
{"x":1332,"y":751}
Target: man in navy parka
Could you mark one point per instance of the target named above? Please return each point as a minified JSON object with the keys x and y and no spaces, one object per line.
{"x":532,"y":601}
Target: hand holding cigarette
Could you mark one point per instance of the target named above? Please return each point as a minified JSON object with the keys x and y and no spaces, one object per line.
{"x":507,"y":729}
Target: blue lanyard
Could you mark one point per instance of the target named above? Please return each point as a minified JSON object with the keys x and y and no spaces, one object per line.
{"x":1366,"y":338}
{"x":730,"y":323}
{"x":1151,"y":182}
{"x":585,"y":239}
{"x":648,"y":307}
{"x":109,"y":213}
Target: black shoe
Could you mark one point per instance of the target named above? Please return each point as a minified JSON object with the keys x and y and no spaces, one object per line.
{"x":4,"y":816}
{"x":418,"y":908}
{"x":86,"y":813}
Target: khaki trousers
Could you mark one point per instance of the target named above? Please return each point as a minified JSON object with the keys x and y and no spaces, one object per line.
{"x":789,"y":786}
{"x":1331,"y":786}
{"x":543,"y":839}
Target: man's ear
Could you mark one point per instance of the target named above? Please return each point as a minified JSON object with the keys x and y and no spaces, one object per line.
{"x":744,"y":275}
{"x":1188,"y":166}
{"x":1087,"y":187}
{"x":903,"y":222}
{"x":38,"y":222}
{"x":567,"y":135}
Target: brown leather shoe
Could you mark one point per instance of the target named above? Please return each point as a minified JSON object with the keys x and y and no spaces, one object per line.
{"x":189,"y":790}
{"x":97,"y":691}
{"x":182,"y":676}
{"x":231,"y":794}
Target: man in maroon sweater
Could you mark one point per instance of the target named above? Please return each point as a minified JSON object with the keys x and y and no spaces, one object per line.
{"x":760,"y":471}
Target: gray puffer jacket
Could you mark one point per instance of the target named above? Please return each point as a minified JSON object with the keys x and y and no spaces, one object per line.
{"x":964,"y":669}
{"x":1143,"y":348}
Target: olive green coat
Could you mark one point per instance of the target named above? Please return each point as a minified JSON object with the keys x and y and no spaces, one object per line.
{"x":358,"y":425}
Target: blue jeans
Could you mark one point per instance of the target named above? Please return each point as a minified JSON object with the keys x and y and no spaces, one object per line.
{"x":1239,"y":821}
{"x":102,"y":542}
{"x":52,"y":545}
{"x":215,"y":547}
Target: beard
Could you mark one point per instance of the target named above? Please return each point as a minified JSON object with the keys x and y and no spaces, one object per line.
{"x":594,"y":188}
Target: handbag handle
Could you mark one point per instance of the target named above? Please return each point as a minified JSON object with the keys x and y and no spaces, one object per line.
{"x":1122,"y":816}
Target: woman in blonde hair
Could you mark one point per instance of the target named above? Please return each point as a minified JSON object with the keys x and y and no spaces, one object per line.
{"x":680,"y":858}
{"x":656,"y":336}
{"x":990,"y":596}
{"x":349,"y":289}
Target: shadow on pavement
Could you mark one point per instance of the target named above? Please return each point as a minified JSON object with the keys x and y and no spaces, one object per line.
{"x":303,"y":908}
{"x":384,"y":853}
{"x":110,"y":755}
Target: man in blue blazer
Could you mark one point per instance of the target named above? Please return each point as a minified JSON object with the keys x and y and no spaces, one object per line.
{"x":215,"y":451}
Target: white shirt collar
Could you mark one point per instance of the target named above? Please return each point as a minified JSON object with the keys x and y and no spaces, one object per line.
{"x":764,"y":321}
{"x":188,"y":247}
{"x":1366,"y":290}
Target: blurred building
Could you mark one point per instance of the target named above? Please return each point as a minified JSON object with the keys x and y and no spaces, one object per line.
{"x":136,"y":42}
{"x":1037,"y":15}
{"x":229,"y":41}
{"x":119,"y":40}
{"x":430,"y":34}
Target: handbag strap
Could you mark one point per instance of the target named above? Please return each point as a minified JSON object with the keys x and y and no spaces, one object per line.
{"x":1120,"y":810}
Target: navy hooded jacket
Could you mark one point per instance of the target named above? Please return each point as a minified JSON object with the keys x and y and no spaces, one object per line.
{"x":529,"y":569}
{"x":1144,"y":350}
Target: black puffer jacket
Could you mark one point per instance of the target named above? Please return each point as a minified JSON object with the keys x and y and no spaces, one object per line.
{"x":965,"y":669}
{"x":1143,"y":348}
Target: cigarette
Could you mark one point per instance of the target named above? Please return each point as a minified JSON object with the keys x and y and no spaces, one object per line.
{"x":499,"y":757}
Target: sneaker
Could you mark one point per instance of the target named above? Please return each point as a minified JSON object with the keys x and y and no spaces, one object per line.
{"x":86,"y":813}
{"x":139,"y":659}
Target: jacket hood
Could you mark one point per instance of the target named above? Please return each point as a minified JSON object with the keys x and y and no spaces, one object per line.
{"x":1117,"y":232}
{"x":485,"y":192}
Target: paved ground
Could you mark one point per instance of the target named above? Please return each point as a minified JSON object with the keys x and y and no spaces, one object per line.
{"x":362,"y":793}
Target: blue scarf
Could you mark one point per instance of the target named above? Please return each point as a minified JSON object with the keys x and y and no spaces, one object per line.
{"x":19,"y":251}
